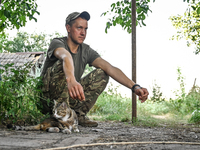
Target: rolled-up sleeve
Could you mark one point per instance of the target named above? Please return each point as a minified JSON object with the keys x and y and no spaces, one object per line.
{"x":55,"y":43}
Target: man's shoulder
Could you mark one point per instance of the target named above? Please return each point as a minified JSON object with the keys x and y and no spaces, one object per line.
{"x":61,"y":39}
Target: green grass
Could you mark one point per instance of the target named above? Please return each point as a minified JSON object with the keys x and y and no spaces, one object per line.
{"x":112,"y":106}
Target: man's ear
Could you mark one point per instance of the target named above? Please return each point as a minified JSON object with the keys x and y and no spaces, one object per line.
{"x":68,"y":28}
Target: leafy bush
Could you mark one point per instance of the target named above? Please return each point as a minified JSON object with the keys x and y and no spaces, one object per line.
{"x":19,"y":94}
{"x":195,"y":117}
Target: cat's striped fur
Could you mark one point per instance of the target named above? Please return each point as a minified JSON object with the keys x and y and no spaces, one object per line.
{"x":64,"y":120}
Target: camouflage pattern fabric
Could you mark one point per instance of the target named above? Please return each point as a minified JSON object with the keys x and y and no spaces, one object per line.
{"x":55,"y":88}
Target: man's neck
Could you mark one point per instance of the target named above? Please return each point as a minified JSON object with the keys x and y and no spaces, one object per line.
{"x":73,"y":47}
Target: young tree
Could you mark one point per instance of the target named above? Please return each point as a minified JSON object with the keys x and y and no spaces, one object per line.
{"x":14,"y":13}
{"x":188,"y":25}
{"x":121,"y":12}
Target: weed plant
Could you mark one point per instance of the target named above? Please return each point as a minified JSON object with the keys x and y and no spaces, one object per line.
{"x":19,"y":95}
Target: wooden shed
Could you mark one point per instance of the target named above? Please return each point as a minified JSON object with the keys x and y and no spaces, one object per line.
{"x":21,"y":58}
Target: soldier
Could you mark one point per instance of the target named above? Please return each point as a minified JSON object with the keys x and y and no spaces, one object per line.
{"x":65,"y":64}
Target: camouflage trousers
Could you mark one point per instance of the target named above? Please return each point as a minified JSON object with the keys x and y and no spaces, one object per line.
{"x":55,"y":88}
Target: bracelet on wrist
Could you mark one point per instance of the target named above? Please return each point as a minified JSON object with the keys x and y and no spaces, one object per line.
{"x":135,"y":87}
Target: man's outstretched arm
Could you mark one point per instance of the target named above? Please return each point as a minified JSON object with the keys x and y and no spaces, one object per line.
{"x":75,"y":89}
{"x":120,"y":77}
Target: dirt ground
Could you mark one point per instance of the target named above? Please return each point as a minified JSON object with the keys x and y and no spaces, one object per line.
{"x":126,"y":136}
{"x":108,"y":135}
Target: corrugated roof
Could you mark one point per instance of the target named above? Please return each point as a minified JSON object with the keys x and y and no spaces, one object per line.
{"x":20,"y":59}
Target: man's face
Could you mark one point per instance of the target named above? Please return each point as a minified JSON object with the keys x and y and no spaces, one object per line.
{"x":77,"y":32}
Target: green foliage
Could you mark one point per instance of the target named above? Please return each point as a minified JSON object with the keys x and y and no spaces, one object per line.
{"x":188,"y":25}
{"x":19,"y":94}
{"x":122,"y":11}
{"x":194,"y":97}
{"x":157,"y":94}
{"x":25,"y":42}
{"x":184,"y":104}
{"x":112,"y":106}
{"x":149,"y":108}
{"x":14,"y":13}
{"x":3,"y":41}
{"x":195,"y":117}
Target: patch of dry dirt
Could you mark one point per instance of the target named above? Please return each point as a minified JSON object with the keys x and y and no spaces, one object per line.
{"x":108,"y":135}
{"x":120,"y":136}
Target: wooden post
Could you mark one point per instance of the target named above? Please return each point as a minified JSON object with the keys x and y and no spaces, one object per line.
{"x":134,"y":101}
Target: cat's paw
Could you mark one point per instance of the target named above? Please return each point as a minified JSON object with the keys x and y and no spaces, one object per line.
{"x":67,"y":131}
{"x":17,"y":128}
{"x":76,"y":130}
{"x":53,"y":129}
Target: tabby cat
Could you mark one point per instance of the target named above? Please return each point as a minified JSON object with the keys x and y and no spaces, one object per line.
{"x":64,"y":119}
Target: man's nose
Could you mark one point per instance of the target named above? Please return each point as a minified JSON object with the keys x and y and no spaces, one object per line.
{"x":83,"y":32}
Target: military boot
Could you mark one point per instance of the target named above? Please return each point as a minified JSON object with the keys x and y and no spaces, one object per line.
{"x":86,"y":122}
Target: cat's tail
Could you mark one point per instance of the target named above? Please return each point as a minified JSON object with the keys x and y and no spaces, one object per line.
{"x":26,"y":128}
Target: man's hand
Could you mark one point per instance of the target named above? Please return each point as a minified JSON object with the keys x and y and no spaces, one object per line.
{"x":142,"y":93}
{"x":75,"y":89}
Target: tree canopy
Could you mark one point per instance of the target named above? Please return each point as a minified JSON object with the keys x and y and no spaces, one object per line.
{"x":188,"y":25}
{"x":25,"y":42}
{"x":14,"y":13}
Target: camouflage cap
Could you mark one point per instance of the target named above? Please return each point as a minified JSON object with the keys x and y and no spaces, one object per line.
{"x":75,"y":15}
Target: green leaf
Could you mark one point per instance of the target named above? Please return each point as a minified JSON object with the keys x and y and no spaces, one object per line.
{"x":198,"y":10}
{"x":193,"y":7}
{"x":143,"y":23}
{"x":113,"y":5}
{"x":6,"y":13}
{"x":1,"y":13}
{"x":139,"y":10}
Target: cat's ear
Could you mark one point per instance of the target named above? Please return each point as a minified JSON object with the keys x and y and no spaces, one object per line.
{"x":64,"y":105}
{"x":55,"y":102}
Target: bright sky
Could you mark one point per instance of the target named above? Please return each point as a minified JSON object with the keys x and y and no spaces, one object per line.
{"x":157,"y":57}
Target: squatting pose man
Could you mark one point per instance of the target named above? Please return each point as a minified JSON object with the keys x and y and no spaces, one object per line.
{"x":65,"y":64}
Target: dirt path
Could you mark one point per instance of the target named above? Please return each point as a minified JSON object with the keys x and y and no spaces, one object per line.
{"x":117,"y":135}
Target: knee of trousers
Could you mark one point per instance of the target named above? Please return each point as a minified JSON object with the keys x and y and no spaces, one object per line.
{"x":103,"y":80}
{"x":103,"y":75}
